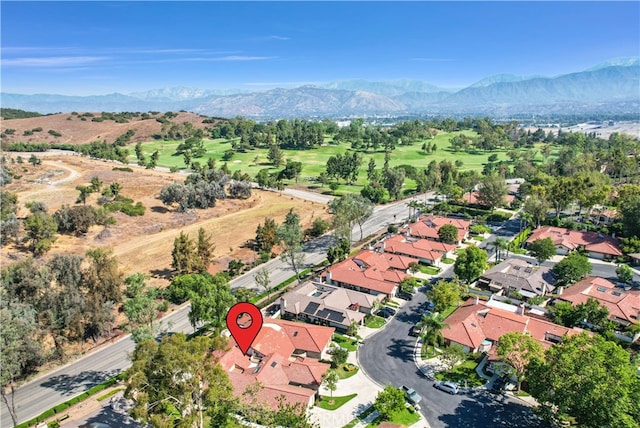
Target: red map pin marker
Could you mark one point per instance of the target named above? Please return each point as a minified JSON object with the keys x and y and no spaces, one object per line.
{"x":243,"y":330}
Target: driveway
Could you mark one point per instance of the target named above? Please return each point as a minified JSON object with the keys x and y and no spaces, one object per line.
{"x":387,"y":358}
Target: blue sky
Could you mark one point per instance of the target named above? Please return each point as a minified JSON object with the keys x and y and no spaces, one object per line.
{"x":89,"y":48}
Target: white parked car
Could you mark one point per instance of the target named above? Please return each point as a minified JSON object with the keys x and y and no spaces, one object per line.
{"x":450,"y":387}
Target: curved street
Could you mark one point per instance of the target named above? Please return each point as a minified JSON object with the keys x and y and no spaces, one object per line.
{"x":387,"y":358}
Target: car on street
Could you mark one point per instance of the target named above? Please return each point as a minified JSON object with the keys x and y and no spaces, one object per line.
{"x":412,"y":396}
{"x":415,"y":331}
{"x":386,"y":312}
{"x":446,"y":386}
{"x":404,"y":296}
{"x":499,"y":385}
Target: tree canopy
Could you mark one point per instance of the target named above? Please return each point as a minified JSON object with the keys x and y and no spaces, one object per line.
{"x":470,"y":263}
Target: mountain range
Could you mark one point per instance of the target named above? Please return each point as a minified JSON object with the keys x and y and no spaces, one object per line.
{"x":612,"y":87}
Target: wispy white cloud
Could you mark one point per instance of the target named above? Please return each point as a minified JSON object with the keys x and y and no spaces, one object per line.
{"x":241,"y":58}
{"x":52,"y":61}
{"x":431,"y":59}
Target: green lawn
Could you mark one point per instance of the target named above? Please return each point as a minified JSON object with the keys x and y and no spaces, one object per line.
{"x":448,"y":311}
{"x":429,"y":270}
{"x":461,"y":373}
{"x":374,"y":321}
{"x":428,"y":351}
{"x":343,"y":373}
{"x":334,"y":403}
{"x":447,"y":261}
{"x":479,"y":238}
{"x":345,"y":342}
{"x":404,"y":417}
{"x":392,"y":304}
{"x":314,"y":161}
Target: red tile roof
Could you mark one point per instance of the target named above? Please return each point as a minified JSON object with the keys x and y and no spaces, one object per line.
{"x":573,"y":239}
{"x":622,"y":305}
{"x":471,"y":324}
{"x":273,"y":364}
{"x":367,"y":270}
{"x":419,"y":248}
{"x":428,"y":226}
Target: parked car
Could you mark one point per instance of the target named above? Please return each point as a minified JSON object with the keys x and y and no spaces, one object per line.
{"x":450,"y":387}
{"x":430,"y":305}
{"x":412,"y":396}
{"x":499,"y":385}
{"x":390,"y":310}
{"x":415,"y":331}
{"x":382,"y":313}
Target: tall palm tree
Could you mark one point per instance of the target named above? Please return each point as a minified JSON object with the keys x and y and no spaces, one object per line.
{"x":431,"y":326}
{"x":500,"y":244}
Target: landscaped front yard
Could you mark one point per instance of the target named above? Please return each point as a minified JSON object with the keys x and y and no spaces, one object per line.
{"x":374,"y":321}
{"x":461,"y":373}
{"x":345,"y":342}
{"x":405,"y":417}
{"x":334,"y":403}
{"x":346,"y":370}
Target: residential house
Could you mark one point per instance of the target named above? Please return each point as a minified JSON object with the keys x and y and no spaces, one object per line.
{"x":477,"y":327}
{"x":472,"y":198}
{"x":518,"y":275}
{"x":424,"y":250}
{"x":623,"y":305}
{"x":597,"y":245}
{"x":605,"y":216}
{"x":427,"y":227}
{"x":368,"y":272}
{"x":283,"y":359}
{"x":327,"y":305}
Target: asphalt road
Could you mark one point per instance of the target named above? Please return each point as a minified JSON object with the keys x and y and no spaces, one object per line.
{"x":387,"y":358}
{"x":78,"y":376}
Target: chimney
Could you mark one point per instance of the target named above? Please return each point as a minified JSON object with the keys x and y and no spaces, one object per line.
{"x":559,"y":290}
{"x":476,"y":300}
{"x":283,"y":305}
{"x":328,"y":277}
{"x":408,"y":231}
{"x":520,"y":310}
{"x":382,"y":246}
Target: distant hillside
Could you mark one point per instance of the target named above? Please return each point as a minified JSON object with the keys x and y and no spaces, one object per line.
{"x":608,"y":89}
{"x":81,"y":129}
{"x":12,"y":113}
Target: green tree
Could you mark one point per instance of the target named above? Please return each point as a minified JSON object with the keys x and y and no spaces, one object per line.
{"x":177,"y":383}
{"x":330,"y":381}
{"x":263,"y":280}
{"x":624,"y":273}
{"x":203,"y":251}
{"x":211,"y":299}
{"x":542,"y":249}
{"x":85,"y":191}
{"x":444,"y":294}
{"x":448,"y":234}
{"x":492,"y":191}
{"x":115,"y":188}
{"x":275,"y":155}
{"x":40,"y":230}
{"x":501,"y":244}
{"x":388,"y":401}
{"x":588,"y":378}
{"x":348,"y":211}
{"x":629,"y":203}
{"x":339,"y":357}
{"x":183,"y":254}
{"x":431,"y":326}
{"x":21,"y":351}
{"x":470,"y":263}
{"x":452,"y":355}
{"x":572,"y":268}
{"x":290,"y":237}
{"x":140,"y":307}
{"x":518,"y":350}
{"x":536,"y":208}
{"x":266,"y":235}
{"x":96,"y":184}
{"x":393,"y":181}
{"x":408,"y":284}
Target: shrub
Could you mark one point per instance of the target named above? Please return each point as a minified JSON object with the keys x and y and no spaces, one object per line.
{"x":122,"y":168}
{"x":55,"y":133}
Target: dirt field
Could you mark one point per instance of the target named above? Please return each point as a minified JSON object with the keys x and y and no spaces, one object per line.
{"x":143,"y":244}
{"x":74,"y":130}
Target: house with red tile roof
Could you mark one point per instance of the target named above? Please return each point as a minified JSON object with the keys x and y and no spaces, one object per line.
{"x":623,"y":305}
{"x":369,"y":272}
{"x":424,"y":250}
{"x":427,"y":227}
{"x":477,"y":327}
{"x":600,"y":215}
{"x":597,"y":245}
{"x":283,"y":361}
